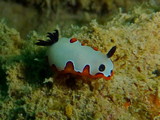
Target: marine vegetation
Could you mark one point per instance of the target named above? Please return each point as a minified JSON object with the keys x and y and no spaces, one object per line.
{"x":30,"y":90}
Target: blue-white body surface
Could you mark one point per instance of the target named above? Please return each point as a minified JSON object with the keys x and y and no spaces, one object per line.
{"x":69,"y":55}
{"x":63,"y":51}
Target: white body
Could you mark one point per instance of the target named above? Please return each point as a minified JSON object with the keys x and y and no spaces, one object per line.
{"x":63,"y":51}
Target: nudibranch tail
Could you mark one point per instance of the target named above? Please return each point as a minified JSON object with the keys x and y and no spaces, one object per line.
{"x":53,"y":38}
{"x":111,"y":52}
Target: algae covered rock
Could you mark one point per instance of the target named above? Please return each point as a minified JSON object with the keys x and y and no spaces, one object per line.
{"x":30,"y":90}
{"x":10,"y":40}
{"x":99,"y":7}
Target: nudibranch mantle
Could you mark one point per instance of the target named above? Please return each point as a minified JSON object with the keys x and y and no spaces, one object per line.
{"x":83,"y":59}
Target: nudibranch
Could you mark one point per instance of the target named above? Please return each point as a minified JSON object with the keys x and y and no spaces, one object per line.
{"x":70,"y":56}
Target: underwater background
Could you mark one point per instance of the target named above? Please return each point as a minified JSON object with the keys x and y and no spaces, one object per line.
{"x":29,"y":89}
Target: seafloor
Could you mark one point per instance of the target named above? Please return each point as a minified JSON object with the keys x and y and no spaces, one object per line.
{"x":29,"y":89}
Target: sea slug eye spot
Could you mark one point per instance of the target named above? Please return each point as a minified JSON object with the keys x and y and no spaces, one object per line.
{"x":101,"y":68}
{"x":72,"y":40}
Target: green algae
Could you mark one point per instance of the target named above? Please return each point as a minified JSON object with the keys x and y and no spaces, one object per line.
{"x":29,"y":89}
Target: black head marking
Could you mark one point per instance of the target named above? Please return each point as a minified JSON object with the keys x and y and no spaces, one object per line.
{"x":53,"y":38}
{"x":101,"y":68}
{"x":111,"y":52}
